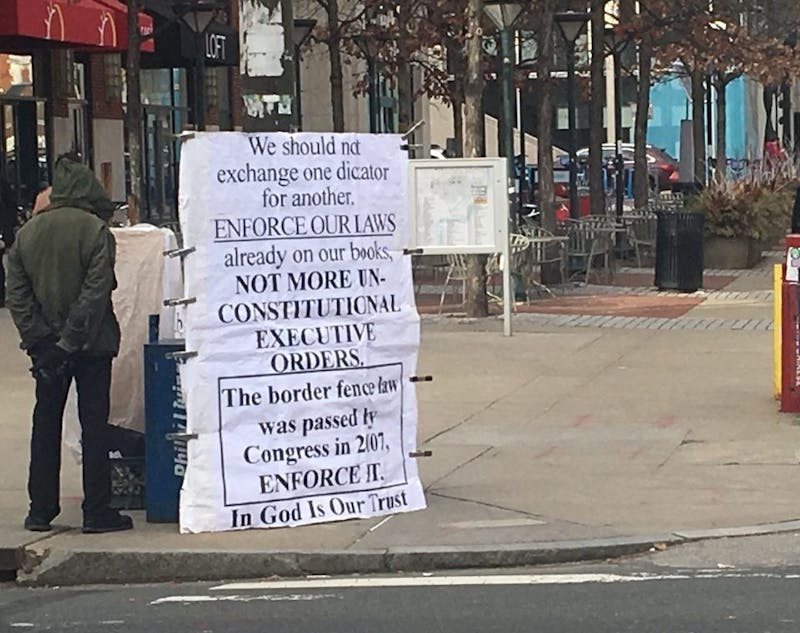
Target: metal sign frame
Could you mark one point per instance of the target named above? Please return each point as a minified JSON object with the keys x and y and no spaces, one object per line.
{"x":498,"y":204}
{"x":499,"y":214}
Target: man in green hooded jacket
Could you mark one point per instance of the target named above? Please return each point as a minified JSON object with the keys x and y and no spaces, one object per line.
{"x":60,"y":279}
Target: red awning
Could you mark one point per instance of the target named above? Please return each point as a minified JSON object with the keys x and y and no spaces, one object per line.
{"x":94,"y":24}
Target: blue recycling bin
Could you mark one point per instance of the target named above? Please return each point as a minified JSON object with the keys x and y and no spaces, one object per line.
{"x":165,"y":418}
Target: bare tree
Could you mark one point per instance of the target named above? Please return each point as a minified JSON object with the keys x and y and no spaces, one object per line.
{"x":597,"y":86}
{"x":641,"y":179}
{"x":544,"y":67}
{"x":476,"y":302}
{"x":341,"y":19}
{"x":133,"y":112}
{"x":333,"y":40}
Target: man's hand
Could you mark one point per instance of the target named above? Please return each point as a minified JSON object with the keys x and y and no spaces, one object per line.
{"x":49,"y":361}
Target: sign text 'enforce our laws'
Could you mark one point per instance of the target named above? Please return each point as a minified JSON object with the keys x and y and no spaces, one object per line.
{"x":304,"y":327}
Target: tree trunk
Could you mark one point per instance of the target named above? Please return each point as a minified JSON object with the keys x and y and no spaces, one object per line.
{"x":550,"y":272}
{"x":456,"y":64}
{"x":335,"y":53}
{"x":698,"y":126}
{"x":641,"y":179}
{"x":721,"y":158}
{"x":405,"y":89}
{"x":133,"y":113}
{"x":476,"y":302}
{"x":596,"y":134}
{"x":458,"y":126}
{"x":405,"y":97}
{"x":545,"y":128}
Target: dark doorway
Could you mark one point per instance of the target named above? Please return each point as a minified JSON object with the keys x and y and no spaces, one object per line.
{"x":161,"y":154}
{"x":23,"y":150}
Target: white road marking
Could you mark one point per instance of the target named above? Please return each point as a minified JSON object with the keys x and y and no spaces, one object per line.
{"x":112,"y":622}
{"x":384,"y":522}
{"x":496,"y":523}
{"x":22,"y":625}
{"x":236,"y":598}
{"x":466,"y":581}
{"x":437,"y":581}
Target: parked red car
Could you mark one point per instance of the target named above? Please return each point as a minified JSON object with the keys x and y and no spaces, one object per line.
{"x":662,"y":168}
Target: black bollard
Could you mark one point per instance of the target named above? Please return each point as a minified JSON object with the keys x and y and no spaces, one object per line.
{"x":796,"y":212}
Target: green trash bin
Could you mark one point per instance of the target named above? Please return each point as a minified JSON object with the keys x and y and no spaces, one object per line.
{"x":679,"y":250}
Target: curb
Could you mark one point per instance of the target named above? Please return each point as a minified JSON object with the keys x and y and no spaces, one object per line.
{"x":80,"y":567}
{"x":39,"y":566}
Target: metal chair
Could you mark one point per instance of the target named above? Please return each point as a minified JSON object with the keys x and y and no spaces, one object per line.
{"x":519,"y":246}
{"x":545,"y":248}
{"x":589,"y":238}
{"x":642,"y":234}
{"x":427,"y":268}
{"x":456,"y":271}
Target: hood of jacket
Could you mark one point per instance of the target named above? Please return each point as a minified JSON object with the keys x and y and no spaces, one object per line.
{"x":75,"y":185}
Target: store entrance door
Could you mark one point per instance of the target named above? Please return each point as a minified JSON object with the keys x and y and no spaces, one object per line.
{"x":161,"y":154}
{"x":24,"y":162}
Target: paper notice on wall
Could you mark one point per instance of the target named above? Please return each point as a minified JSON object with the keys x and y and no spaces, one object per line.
{"x":261,"y":38}
{"x":305,"y":329}
{"x":792,"y":264}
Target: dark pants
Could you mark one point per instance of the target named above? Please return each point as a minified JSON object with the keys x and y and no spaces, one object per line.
{"x":92,"y":375}
{"x":2,"y":281}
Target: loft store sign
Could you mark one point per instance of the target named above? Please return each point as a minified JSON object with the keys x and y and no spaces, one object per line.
{"x":220,"y":45}
{"x":216,"y":47}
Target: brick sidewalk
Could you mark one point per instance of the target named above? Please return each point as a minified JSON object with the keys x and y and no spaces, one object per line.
{"x":629,"y":294}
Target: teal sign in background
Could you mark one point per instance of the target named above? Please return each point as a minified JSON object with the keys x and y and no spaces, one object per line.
{"x":670,"y":105}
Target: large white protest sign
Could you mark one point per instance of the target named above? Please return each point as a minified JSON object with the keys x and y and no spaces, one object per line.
{"x":305,"y":329}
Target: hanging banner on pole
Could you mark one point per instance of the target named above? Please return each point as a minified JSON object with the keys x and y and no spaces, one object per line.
{"x":302,"y":316}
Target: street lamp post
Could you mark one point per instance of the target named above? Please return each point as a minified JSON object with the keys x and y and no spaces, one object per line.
{"x":197,"y":15}
{"x":370,"y":41}
{"x":504,"y":14}
{"x":301,"y":31}
{"x":619,"y":162}
{"x":368,"y":47}
{"x":571,"y":24}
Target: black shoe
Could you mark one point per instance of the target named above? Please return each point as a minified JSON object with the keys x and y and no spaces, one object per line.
{"x":108,"y":521}
{"x":37,"y":524}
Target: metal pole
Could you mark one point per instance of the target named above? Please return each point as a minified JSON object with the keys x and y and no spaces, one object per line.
{"x":508,"y":134}
{"x":573,"y":134}
{"x":199,"y":84}
{"x":523,"y":181}
{"x":508,"y":114}
{"x":620,"y":162}
{"x":373,"y":96}
{"x":298,"y":95}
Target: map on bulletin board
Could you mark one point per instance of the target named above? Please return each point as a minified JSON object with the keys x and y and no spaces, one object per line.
{"x":458,"y":205}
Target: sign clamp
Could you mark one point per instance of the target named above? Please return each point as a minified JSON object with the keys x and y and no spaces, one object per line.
{"x":179,"y":252}
{"x":180,"y":437}
{"x":426,"y":453}
{"x":183,"y":301}
{"x":180,"y":356}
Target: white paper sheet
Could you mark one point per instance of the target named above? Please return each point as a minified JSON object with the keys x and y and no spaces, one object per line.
{"x":144,"y":279}
{"x":305,"y":328}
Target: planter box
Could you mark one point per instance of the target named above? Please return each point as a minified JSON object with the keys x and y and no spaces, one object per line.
{"x":732,"y":252}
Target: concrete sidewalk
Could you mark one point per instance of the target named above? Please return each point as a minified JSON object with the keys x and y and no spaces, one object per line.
{"x":562,"y":443}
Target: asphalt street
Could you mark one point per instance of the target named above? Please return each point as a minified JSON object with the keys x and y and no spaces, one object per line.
{"x":596,"y":599}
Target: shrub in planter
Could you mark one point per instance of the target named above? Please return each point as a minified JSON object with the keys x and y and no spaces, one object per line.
{"x":753,"y":211}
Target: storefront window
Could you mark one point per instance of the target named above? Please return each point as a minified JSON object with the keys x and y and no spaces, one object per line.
{"x":162,"y":86}
{"x":16,"y":75}
{"x":9,"y":144}
{"x":163,"y":96}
